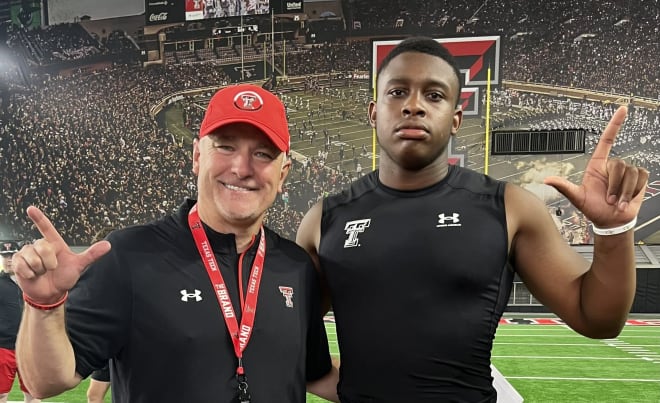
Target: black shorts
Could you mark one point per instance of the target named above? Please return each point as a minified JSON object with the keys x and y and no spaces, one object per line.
{"x":102,"y":374}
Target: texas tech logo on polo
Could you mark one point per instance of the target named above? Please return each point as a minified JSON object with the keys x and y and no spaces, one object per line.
{"x":353,"y":229}
{"x":248,"y":101}
{"x":288,"y":295}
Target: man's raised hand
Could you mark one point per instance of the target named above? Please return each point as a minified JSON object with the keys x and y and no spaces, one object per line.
{"x":48,"y":268}
{"x":612,"y":190}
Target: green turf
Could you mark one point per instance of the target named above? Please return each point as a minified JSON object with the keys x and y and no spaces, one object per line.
{"x":553,"y":364}
{"x":77,"y":395}
{"x":549,"y":364}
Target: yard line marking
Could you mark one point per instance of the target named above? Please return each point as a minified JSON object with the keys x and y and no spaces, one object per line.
{"x":549,"y":378}
{"x":545,"y":328}
{"x":565,"y":357}
{"x":543,"y":335}
{"x":634,"y":349}
{"x":620,"y":339}
{"x":578,"y":336}
{"x":564,"y":344}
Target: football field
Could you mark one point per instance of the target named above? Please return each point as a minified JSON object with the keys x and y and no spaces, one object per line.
{"x":335,"y":126}
{"x":547,"y":364}
{"x":552,"y":364}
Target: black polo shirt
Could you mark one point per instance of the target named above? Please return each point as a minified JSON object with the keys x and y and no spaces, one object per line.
{"x":11,"y":309}
{"x":150,"y":306}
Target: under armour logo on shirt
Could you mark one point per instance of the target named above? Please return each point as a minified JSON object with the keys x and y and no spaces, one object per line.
{"x":452,"y":220}
{"x":185,"y":295}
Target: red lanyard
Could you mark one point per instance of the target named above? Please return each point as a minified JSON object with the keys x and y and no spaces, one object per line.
{"x":240,"y":337}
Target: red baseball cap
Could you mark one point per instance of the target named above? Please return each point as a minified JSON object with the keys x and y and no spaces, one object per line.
{"x":251,"y":104}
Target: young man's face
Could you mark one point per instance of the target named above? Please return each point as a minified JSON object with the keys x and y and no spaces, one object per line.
{"x":240,"y":171}
{"x":415,"y":113}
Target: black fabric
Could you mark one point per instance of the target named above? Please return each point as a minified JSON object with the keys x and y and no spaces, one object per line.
{"x":129,"y":306}
{"x":11,"y":309}
{"x":101,"y":375}
{"x":415,"y":302}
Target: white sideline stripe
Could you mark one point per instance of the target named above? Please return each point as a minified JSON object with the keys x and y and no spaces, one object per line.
{"x":506,"y":393}
{"x":564,"y":358}
{"x":562,"y":328}
{"x":548,"y":378}
{"x":568,"y":344}
{"x":578,"y":336}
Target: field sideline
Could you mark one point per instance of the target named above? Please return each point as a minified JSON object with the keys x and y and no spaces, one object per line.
{"x":548,"y":363}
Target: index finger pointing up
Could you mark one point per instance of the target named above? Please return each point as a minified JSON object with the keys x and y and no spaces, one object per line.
{"x":45,"y":227}
{"x":606,"y":141}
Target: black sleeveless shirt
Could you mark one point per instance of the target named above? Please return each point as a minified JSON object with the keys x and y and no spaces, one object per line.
{"x":418,"y":280}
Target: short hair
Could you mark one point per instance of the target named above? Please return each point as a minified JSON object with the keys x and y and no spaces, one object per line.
{"x":426,"y":45}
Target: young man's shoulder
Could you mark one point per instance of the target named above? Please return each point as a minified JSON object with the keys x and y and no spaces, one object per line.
{"x":287,"y":247}
{"x":469,"y":179}
{"x":356,"y":189}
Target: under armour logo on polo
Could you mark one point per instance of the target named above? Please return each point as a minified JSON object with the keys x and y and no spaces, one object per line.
{"x":185,"y":295}
{"x":449,"y":220}
{"x":288,"y":295}
{"x":353,"y":228}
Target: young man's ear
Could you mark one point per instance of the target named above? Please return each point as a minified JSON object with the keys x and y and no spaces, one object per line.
{"x":372,"y":114}
{"x":458,"y":120}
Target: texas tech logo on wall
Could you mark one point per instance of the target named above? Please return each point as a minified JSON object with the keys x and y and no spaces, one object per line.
{"x":474,"y":56}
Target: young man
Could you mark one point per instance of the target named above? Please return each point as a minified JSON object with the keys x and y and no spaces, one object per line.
{"x":11,"y":307}
{"x":433,"y":248}
{"x":204,"y":305}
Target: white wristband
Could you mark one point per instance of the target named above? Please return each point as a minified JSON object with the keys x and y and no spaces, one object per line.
{"x":615,"y":230}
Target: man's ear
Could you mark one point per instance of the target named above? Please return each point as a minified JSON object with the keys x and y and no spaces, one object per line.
{"x":284,"y":172}
{"x":372,"y":114}
{"x":195,"y":156}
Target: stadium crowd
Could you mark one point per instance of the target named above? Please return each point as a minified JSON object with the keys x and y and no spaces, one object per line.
{"x":86,"y":149}
{"x":600,"y":45}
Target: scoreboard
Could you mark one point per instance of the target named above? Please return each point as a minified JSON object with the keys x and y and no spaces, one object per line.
{"x":159,"y":12}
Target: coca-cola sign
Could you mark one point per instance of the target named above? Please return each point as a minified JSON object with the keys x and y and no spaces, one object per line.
{"x":163,"y":12}
{"x":160,"y":17}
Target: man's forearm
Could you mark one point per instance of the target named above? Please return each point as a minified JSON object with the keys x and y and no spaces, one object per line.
{"x":608,"y":289}
{"x":44,"y":353}
{"x":326,"y":386}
